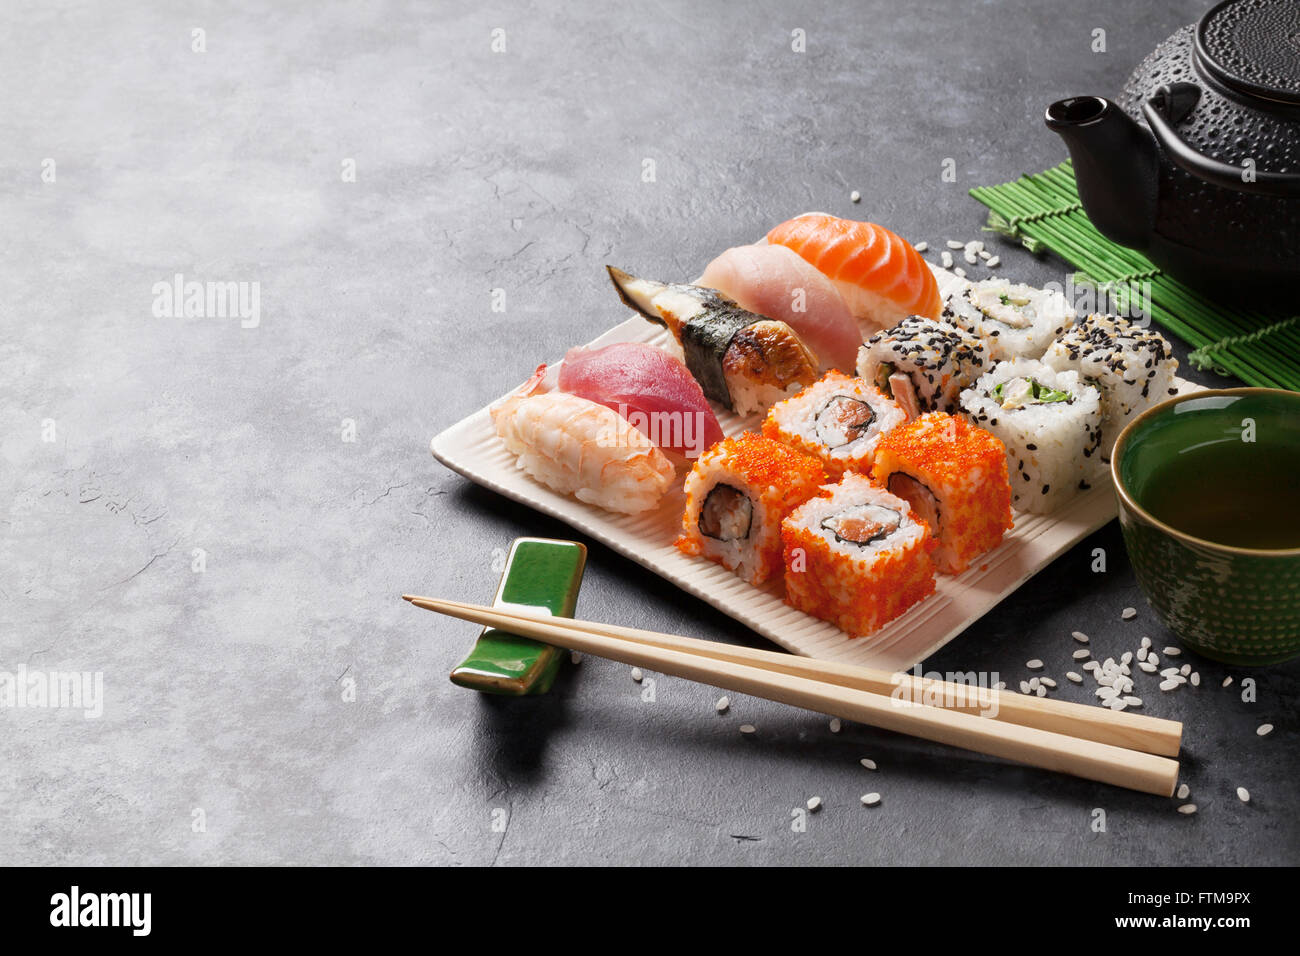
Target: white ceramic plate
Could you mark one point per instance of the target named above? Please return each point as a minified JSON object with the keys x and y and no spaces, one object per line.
{"x":472,"y":449}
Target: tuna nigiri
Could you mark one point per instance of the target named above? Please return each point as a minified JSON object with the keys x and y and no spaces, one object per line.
{"x":881,"y":278}
{"x":777,"y":282}
{"x":579,"y":448}
{"x":743,"y":361}
{"x":648,"y":387}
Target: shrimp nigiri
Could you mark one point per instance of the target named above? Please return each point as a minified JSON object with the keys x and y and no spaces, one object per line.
{"x":579,"y":448}
{"x":777,"y":282}
{"x":881,"y":278}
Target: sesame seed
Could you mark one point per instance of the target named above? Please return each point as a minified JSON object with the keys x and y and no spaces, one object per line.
{"x":1185,"y":669}
{"x":1126,"y":657}
{"x":1042,"y":691}
{"x":1079,"y":636}
{"x":637,"y":675}
{"x":1072,"y":676}
{"x":1147,"y":666}
{"x":1167,"y":685}
{"x":1172,"y":651}
{"x":814,"y":804}
{"x":1117,"y":703}
{"x":1187,"y":809}
{"x":1081,"y":654}
{"x":1034,"y":665}
{"x":870,"y":799}
{"x":1146,"y":642}
{"x":1129,"y":613}
{"x":746,"y":728}
{"x":575,"y":656}
{"x":1183,"y":792}
{"x":1264,"y":729}
{"x":1243,"y":795}
{"x":1142,"y":654}
{"x":959,"y":272}
{"x":868,"y":763}
{"x":994,"y":262}
{"x":855,"y":196}
{"x":722,"y":705}
{"x":946,"y":259}
{"x":835,"y":725}
{"x":1024,"y":687}
{"x":921,"y":246}
{"x":1133,"y":701}
{"x":1227,"y":681}
{"x":1153,"y":658}
{"x":1048,"y":682}
{"x":954,"y":244}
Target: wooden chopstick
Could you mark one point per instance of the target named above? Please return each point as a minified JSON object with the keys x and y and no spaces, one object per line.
{"x":1121,"y":729}
{"x":1089,"y":759}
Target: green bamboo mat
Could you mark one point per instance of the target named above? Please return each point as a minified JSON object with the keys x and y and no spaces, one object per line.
{"x":1044,"y":212}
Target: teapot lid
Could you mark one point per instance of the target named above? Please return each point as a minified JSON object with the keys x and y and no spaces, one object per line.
{"x":1253,"y":47}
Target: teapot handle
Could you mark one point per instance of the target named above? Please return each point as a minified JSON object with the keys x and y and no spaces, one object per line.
{"x":1169,"y":105}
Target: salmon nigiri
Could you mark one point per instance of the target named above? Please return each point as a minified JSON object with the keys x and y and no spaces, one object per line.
{"x":881,"y":278}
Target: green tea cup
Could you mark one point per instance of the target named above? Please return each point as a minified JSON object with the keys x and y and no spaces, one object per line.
{"x":1204,"y":482}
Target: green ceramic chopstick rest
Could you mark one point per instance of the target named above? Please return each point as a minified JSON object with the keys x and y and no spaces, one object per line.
{"x":539,"y":572}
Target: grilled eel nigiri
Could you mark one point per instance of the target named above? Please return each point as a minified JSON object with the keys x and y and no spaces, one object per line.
{"x":743,"y":361}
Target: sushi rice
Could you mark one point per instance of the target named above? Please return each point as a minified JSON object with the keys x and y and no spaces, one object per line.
{"x":1050,"y":422}
{"x":1012,"y":319}
{"x":1132,"y":367}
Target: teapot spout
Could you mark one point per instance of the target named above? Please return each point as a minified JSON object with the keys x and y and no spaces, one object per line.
{"x":1116,"y":166}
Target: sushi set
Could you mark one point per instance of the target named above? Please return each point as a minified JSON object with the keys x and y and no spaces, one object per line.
{"x":852,"y":452}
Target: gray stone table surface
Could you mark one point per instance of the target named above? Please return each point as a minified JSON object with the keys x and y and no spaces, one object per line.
{"x":183,"y":514}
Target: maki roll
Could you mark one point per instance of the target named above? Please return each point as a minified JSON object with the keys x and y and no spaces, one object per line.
{"x":922,"y":364}
{"x":743,"y":361}
{"x":1132,"y":367}
{"x":857,"y":556}
{"x":954,"y":475}
{"x":1050,"y":422}
{"x":737,"y":494}
{"x":1011,"y":319}
{"x":839,"y":420}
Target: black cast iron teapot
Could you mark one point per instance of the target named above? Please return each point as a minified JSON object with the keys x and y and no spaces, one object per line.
{"x":1198,"y":163}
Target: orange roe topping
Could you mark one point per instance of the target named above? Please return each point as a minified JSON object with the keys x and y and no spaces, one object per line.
{"x":768,"y":463}
{"x":943,"y":445}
